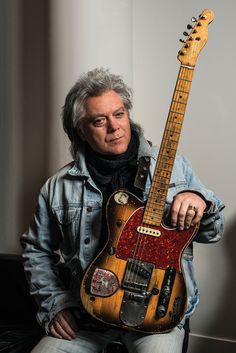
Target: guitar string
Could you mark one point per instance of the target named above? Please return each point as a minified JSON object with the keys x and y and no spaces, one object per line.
{"x":133,"y":273}
{"x":133,"y":276}
{"x":142,"y":240}
{"x":181,"y":86}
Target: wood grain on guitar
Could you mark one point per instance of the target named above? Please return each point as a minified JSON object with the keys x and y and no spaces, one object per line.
{"x":137,"y":282}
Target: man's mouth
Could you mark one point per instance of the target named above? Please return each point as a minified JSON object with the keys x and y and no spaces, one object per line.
{"x":114,"y":140}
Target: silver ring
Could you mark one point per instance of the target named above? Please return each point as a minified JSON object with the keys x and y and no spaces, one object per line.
{"x":191,"y":207}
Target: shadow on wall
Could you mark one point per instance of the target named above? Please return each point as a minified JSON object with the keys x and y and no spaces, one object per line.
{"x":224,"y":317}
{"x":35,"y":103}
{"x":227,"y":311}
{"x":25,"y":107}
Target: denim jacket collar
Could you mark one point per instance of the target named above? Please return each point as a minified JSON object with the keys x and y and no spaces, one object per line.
{"x":79,"y":168}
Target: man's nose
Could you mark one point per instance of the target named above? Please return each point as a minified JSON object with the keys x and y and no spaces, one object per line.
{"x":112,"y":124}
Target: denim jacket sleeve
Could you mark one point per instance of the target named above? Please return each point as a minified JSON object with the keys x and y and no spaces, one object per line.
{"x":212,"y":223}
{"x":39,"y":245}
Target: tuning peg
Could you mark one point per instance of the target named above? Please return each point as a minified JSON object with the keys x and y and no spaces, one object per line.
{"x":181,"y":40}
{"x":189,"y":26}
{"x":193,"y":19}
{"x":185,"y":34}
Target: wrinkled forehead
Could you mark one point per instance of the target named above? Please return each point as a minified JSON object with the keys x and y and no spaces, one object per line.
{"x":104,"y":104}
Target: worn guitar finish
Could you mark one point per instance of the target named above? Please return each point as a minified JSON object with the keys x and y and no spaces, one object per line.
{"x":137,"y":282}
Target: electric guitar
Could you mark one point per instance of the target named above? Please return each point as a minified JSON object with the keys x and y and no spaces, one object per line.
{"x":137,"y":281}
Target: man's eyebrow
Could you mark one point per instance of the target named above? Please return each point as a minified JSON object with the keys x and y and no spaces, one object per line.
{"x":121,"y":108}
{"x":94,"y":116}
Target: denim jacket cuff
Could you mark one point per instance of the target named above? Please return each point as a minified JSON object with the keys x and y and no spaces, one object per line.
{"x":45,"y":319}
{"x":212,"y":207}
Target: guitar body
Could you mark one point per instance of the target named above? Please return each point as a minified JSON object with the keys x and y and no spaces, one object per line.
{"x":136,"y":281}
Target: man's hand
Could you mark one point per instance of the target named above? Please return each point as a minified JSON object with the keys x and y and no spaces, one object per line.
{"x":63,"y":325}
{"x":186,"y":209}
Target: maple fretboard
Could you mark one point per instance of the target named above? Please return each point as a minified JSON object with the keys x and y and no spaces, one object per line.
{"x":157,"y":196}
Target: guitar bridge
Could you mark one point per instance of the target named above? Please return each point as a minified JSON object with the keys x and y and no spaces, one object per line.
{"x":136,"y":297}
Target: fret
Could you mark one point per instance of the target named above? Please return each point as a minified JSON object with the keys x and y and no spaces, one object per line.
{"x":166,"y":166}
{"x":184,"y":79}
{"x":161,"y":179}
{"x":179,"y":90}
{"x":171,"y":154}
{"x":156,"y":201}
{"x":174,"y":117}
{"x":155,"y":208}
{"x":169,"y":135}
{"x":178,"y":102}
{"x":183,"y":85}
{"x":151,"y":221}
{"x":176,"y":128}
{"x":175,"y":122}
{"x":155,"y":196}
{"x":180,"y":96}
{"x":154,"y":214}
{"x":170,"y":143}
{"x":166,"y":162}
{"x":175,"y":112}
{"x":154,"y":217}
{"x":166,"y":148}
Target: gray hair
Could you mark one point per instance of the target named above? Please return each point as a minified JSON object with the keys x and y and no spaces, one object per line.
{"x":91,"y":84}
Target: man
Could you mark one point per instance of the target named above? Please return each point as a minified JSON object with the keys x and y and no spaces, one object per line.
{"x":106,"y":147}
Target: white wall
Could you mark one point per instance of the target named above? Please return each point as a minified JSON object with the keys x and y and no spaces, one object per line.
{"x":84,"y":34}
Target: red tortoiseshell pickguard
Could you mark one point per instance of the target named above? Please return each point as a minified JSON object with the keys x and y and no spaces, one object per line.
{"x":162,"y":251}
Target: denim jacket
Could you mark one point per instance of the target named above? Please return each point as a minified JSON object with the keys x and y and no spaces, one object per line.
{"x":68,"y":220}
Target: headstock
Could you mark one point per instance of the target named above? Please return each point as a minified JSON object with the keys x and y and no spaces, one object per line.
{"x":196,"y":39}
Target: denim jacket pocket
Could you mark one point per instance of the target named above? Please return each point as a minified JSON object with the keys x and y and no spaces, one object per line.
{"x":67,"y":218}
{"x":66,"y":214}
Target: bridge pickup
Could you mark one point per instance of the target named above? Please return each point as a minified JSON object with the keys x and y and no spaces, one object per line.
{"x":137,"y":275}
{"x":149,"y":231}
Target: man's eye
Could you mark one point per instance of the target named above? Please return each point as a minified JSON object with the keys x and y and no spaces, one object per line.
{"x":120,"y":114}
{"x":99,"y":122}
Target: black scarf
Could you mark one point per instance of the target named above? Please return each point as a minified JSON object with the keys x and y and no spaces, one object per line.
{"x":111,"y":172}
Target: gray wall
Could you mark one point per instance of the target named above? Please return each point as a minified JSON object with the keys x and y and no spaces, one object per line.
{"x":47,"y":44}
{"x":207,"y":138}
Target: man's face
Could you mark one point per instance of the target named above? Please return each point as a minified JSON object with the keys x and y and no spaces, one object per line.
{"x":106,"y":126}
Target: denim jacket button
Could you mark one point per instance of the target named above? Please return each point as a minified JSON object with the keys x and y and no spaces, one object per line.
{"x":89,"y":209}
{"x":87,"y":240}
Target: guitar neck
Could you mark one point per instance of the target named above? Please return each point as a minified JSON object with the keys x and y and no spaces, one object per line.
{"x":157,"y":196}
